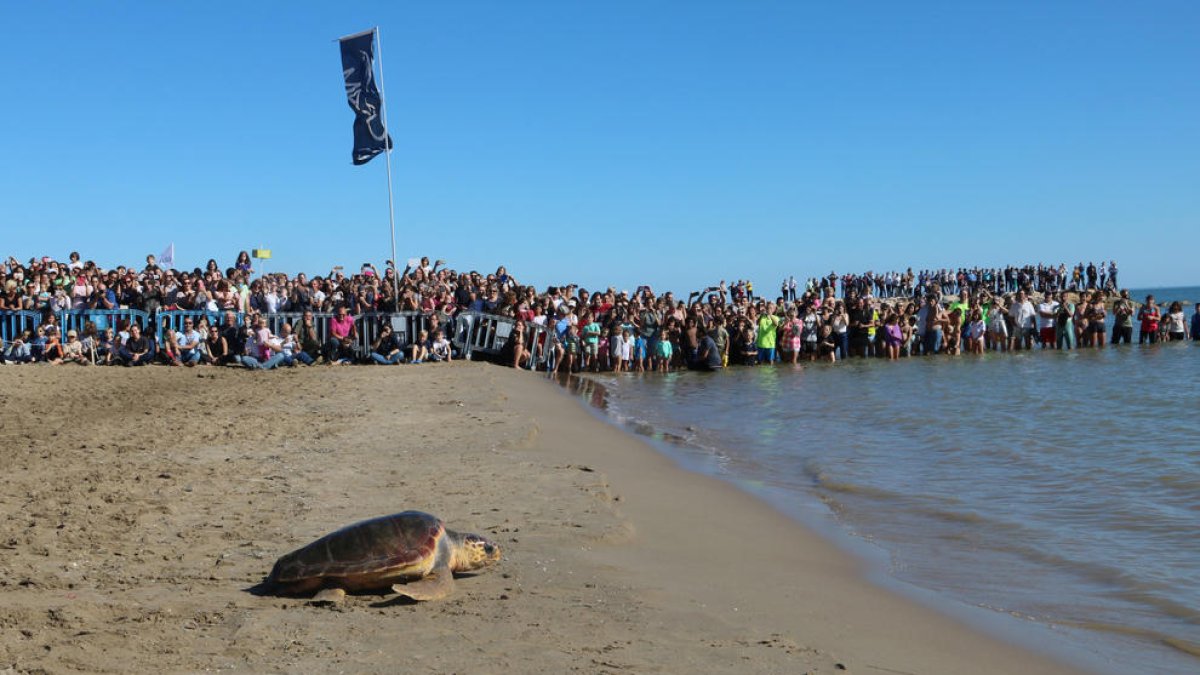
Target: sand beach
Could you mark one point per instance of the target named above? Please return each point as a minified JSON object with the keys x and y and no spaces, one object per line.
{"x":140,"y":504}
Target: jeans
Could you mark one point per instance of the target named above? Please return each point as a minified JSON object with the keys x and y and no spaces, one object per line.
{"x":387,"y":360}
{"x":128,"y":358}
{"x":333,"y":350}
{"x":247,"y":361}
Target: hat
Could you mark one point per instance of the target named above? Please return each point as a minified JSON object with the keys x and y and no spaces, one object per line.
{"x":71,"y":333}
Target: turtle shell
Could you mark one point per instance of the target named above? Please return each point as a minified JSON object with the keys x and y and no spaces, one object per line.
{"x":371,"y":554}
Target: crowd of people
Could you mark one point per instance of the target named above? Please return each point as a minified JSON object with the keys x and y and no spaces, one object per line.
{"x":890,"y":315}
{"x":1039,"y":278}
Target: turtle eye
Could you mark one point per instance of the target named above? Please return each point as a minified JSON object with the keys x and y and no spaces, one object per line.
{"x":489,"y":549}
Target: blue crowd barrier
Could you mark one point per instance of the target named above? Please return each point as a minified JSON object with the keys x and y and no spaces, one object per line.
{"x":13,"y":322}
{"x":116,"y":319}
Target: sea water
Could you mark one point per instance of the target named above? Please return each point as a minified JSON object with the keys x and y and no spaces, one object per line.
{"x":1062,"y":488}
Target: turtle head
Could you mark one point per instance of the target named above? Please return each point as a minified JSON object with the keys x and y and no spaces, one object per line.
{"x":474,"y":552}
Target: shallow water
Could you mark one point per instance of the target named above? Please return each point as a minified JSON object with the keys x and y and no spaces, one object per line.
{"x":1060,"y":487}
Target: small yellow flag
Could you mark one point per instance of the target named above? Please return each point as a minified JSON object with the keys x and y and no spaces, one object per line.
{"x":262,"y":253}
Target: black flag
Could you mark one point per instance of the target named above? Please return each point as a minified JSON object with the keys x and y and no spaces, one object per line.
{"x":370,"y":135}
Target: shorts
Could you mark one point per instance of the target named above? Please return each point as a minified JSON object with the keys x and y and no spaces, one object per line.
{"x":766,"y":355}
{"x":591,"y":348}
{"x":1047,"y":335}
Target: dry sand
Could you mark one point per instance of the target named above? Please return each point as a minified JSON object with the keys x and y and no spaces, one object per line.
{"x":139,"y":504}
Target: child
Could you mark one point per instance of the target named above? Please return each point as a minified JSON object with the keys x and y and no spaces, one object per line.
{"x":892,"y":336}
{"x":953,"y":330}
{"x":571,"y":349}
{"x":826,"y":347}
{"x":439,"y":348}
{"x":420,"y":350}
{"x":591,"y":344}
{"x":626,"y":349}
{"x":975,"y":331}
{"x":639,"y":353}
{"x":998,"y":329}
{"x":52,"y":351}
{"x":73,"y":351}
{"x":616,"y":349}
{"x":664,"y":350}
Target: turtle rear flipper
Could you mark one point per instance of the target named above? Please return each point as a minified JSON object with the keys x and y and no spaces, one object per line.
{"x":434,"y":586}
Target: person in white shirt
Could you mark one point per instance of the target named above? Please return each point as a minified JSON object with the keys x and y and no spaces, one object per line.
{"x":1022,"y":314}
{"x":1047,"y":310}
{"x":189,"y":340}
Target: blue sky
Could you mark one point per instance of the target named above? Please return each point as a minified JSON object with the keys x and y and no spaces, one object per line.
{"x":613,"y":143}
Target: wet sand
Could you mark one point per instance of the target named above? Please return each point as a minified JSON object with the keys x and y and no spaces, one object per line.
{"x":139,"y":505}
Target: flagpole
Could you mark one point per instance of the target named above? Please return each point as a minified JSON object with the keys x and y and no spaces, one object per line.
{"x":388,"y":152}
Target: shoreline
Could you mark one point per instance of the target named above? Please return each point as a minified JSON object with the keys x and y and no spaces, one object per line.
{"x":860,"y":612}
{"x":134,"y":522}
{"x":813,"y":516}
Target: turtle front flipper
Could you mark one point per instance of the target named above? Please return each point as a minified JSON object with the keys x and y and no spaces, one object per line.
{"x":434,"y":586}
{"x":328,"y":596}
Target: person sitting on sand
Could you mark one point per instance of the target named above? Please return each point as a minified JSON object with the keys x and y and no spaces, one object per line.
{"x":73,"y":351}
{"x":387,"y":350}
{"x":419,"y":351}
{"x":137,"y":349}
{"x":342,"y":334}
{"x":513,"y":351}
{"x":439,"y":348}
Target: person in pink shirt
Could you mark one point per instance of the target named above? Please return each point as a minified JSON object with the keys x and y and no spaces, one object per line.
{"x":339,"y":348}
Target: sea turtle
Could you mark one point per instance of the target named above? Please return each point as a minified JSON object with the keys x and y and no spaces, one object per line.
{"x":411,"y":547}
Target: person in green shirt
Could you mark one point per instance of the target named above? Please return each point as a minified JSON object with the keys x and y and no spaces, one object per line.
{"x":963,"y":305}
{"x":765,"y":340}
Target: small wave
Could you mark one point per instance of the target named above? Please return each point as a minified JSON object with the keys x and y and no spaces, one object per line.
{"x":1180,"y":644}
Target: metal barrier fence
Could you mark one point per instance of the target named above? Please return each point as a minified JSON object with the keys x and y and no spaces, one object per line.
{"x":487,"y":334}
{"x":77,"y":319}
{"x":471,"y":333}
{"x":405,"y":325}
{"x":13,"y":322}
{"x":320,"y":323}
